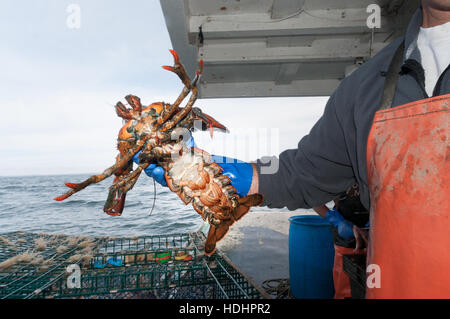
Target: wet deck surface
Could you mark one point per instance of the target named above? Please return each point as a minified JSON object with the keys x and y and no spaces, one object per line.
{"x":259,"y":244}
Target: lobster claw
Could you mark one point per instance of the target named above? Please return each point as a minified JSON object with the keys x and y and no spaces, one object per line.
{"x":208,"y":122}
{"x":115,"y":202}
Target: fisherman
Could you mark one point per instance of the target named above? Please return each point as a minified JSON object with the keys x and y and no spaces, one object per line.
{"x":386,"y":128}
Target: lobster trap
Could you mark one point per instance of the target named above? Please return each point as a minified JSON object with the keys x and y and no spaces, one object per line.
{"x":160,"y":266}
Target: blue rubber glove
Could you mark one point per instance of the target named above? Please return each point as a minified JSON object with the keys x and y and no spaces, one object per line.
{"x":154,"y":171}
{"x":240,"y":173}
{"x":157,"y":172}
{"x":344,"y":227}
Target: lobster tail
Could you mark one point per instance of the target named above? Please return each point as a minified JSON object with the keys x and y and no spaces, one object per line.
{"x":245,"y":203}
{"x":210,"y":243}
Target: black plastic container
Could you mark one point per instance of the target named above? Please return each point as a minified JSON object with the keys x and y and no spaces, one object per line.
{"x":355,"y":267}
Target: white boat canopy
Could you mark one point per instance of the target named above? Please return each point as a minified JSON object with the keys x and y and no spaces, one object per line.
{"x":262,"y":48}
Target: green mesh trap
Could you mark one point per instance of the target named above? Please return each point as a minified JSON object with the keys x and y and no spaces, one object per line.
{"x":161,"y":266}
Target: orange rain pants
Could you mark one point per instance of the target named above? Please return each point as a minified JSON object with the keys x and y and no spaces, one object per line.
{"x":408,"y":169}
{"x":340,"y":278}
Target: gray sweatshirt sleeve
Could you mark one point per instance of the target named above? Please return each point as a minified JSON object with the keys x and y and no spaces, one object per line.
{"x":317,"y":171}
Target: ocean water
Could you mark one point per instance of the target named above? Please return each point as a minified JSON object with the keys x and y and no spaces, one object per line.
{"x":26,"y":203}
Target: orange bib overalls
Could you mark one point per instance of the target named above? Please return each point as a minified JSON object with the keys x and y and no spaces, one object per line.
{"x":408,"y":174}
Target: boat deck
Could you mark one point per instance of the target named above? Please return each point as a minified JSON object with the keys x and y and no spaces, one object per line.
{"x":259,"y":244}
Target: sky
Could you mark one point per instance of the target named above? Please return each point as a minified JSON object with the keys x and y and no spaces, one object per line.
{"x":59,"y":83}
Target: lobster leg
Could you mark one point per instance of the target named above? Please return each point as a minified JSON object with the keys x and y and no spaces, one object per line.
{"x":131,"y":179}
{"x":98,"y":178}
{"x":191,"y":102}
{"x":185,"y":111}
{"x":179,"y":70}
{"x":167,"y":112}
{"x":130,"y":184}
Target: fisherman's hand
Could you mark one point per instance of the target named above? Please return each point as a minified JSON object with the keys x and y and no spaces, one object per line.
{"x":240,"y":173}
{"x":344,"y":227}
{"x":361,"y":237}
{"x":153,"y":170}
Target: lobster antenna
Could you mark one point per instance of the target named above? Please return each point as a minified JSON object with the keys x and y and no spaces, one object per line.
{"x":154,"y":197}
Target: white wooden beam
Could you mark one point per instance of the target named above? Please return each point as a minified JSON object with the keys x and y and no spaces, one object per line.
{"x":284,"y":8}
{"x":268,"y":88}
{"x":258,"y":52}
{"x":262,"y":47}
{"x":286,"y":73}
{"x":337,"y":21}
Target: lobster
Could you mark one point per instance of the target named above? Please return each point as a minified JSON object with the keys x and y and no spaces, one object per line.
{"x":159,"y":132}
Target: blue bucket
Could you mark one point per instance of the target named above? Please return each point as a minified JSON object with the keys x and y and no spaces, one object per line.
{"x":311,"y":257}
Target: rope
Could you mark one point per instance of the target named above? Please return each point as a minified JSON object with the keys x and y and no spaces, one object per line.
{"x":278,"y":288}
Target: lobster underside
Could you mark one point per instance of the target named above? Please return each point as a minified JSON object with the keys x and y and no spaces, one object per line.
{"x":159,"y":131}
{"x":196,"y":179}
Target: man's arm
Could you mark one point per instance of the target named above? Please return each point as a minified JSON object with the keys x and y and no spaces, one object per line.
{"x":321,"y":210}
{"x":320,"y":168}
{"x":314,"y":173}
